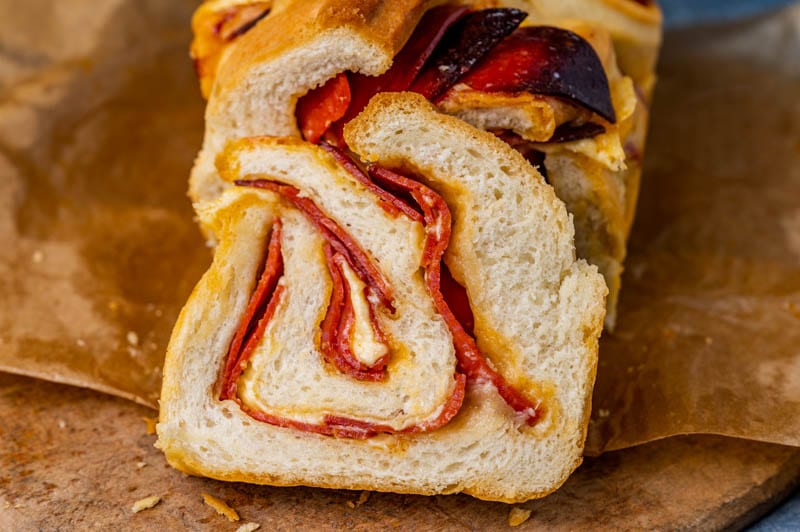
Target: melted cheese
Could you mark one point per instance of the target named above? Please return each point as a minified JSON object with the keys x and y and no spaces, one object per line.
{"x":366,"y":346}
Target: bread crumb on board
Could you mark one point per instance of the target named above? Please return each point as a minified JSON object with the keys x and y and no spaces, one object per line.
{"x":145,"y":504}
{"x":363,"y":498}
{"x":150,"y":425}
{"x":133,"y":338}
{"x":221,"y":507}
{"x":517,"y":516}
{"x":248,"y":527}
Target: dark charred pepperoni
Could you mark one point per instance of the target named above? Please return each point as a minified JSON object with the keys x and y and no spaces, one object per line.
{"x":463,"y":46}
{"x":526,"y":148}
{"x":568,"y":132}
{"x":247,"y":17}
{"x":546,"y":60}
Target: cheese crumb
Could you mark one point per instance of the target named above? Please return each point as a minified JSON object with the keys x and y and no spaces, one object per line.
{"x":145,"y":504}
{"x":517,"y":516}
{"x":140,"y":465}
{"x":220,"y":506}
{"x":150,"y":423}
{"x":248,"y":527}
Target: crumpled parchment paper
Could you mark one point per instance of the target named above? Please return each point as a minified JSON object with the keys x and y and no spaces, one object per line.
{"x":100,"y":119}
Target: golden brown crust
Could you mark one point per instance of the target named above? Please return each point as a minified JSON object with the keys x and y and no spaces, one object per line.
{"x":385,"y":24}
{"x":210,"y":40}
{"x":185,"y":463}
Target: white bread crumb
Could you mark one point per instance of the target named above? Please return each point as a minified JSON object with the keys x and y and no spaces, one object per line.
{"x":248,"y":527}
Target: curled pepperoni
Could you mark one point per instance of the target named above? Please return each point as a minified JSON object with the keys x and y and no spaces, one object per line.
{"x":336,"y":328}
{"x":337,"y":237}
{"x":263,"y":302}
{"x":470,"y":359}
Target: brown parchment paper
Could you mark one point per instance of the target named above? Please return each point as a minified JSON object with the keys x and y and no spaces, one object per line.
{"x":100,"y":118}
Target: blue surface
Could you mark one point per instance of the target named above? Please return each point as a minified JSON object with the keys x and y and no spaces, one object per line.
{"x":784,"y":519}
{"x":681,"y":13}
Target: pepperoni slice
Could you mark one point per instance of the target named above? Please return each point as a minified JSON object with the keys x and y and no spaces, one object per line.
{"x":405,"y":66}
{"x":267,"y":293}
{"x":388,"y":202}
{"x":336,"y":335}
{"x":322,"y":106}
{"x":456,"y":297}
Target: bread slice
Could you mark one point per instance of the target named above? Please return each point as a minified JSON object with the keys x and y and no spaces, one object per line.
{"x":216,"y":24}
{"x":301,"y":45}
{"x":538,"y":314}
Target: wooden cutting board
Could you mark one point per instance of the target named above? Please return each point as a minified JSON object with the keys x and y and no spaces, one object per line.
{"x":75,"y":459}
